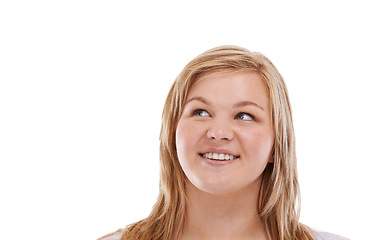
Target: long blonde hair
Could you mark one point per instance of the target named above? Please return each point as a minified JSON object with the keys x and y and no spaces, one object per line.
{"x":279,"y":200}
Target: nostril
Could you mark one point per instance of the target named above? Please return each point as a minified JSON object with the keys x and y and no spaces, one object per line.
{"x":220,"y":134}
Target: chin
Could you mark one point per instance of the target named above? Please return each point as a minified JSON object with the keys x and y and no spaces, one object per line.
{"x":223,"y":188}
{"x":218,"y":189}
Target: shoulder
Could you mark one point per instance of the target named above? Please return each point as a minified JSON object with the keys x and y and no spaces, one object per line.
{"x":113,"y":236}
{"x":319,"y":235}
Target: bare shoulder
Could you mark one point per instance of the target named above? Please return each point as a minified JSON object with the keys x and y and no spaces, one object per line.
{"x":327,"y":236}
{"x":113,"y":236}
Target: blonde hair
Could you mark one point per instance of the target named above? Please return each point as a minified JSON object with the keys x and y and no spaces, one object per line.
{"x":279,"y":200}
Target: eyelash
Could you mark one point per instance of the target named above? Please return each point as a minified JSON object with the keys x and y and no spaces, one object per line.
{"x":198,"y":112}
{"x":250,"y":115}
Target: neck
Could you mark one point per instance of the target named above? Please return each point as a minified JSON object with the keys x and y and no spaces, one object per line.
{"x":231,"y":216}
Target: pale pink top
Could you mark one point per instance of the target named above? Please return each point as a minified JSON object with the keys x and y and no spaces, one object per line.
{"x":317,"y":236}
{"x":113,"y":236}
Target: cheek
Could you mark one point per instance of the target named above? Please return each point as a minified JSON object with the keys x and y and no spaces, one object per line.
{"x":180,"y":138}
{"x":187,"y":136}
{"x":258,"y":142}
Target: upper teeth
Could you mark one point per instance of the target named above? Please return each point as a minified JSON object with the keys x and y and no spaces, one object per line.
{"x":219,"y":156}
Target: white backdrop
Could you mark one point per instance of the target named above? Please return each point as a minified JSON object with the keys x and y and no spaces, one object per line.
{"x":83,"y":85}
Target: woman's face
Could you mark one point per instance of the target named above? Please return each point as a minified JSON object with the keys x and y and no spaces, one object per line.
{"x":225,"y":135}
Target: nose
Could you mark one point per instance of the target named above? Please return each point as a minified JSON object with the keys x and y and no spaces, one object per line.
{"x":220,"y":129}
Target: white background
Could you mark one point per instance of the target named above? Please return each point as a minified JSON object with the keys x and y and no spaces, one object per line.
{"x":83,"y":85}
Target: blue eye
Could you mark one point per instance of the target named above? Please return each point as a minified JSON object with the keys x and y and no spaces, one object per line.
{"x":200,"y":112}
{"x":244,"y":116}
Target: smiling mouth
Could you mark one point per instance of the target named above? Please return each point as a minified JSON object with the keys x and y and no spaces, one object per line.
{"x":218,"y":156}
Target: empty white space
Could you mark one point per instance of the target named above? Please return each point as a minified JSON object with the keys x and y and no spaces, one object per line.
{"x":83,"y":83}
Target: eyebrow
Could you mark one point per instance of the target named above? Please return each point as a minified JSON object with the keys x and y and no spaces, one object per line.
{"x":245,"y":103}
{"x":236,"y":105}
{"x":201,"y":99}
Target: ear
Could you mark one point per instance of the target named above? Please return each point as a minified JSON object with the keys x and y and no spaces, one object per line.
{"x":272,"y":154}
{"x":271,"y":160}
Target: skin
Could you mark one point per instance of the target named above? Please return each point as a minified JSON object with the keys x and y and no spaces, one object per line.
{"x":227,"y":112}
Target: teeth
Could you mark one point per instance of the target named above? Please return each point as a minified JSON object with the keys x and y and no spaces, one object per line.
{"x":219,"y":157}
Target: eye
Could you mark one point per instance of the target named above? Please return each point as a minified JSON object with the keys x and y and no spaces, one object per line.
{"x":244,"y":116}
{"x":200,"y":112}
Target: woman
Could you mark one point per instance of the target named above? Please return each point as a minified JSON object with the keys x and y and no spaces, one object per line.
{"x":227,"y":153}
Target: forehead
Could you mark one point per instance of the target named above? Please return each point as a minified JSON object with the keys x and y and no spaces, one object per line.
{"x":227,"y":86}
